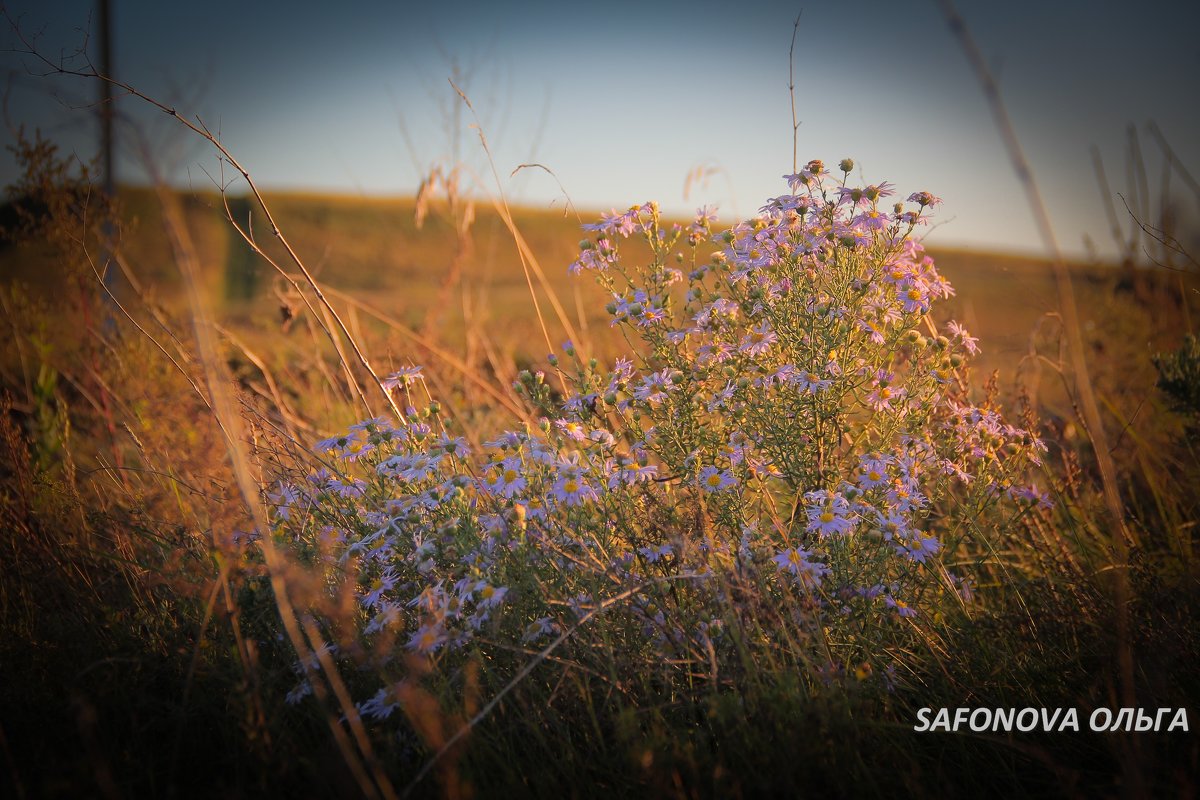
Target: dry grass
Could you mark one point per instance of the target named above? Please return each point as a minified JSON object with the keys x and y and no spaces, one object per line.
{"x":121,"y":504}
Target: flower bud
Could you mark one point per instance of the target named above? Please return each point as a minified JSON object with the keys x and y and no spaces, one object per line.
{"x":846,"y":165}
{"x":586,"y":244}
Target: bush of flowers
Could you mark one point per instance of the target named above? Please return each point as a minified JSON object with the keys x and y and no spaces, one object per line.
{"x":786,"y":470}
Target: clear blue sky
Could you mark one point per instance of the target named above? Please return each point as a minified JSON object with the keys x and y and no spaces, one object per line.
{"x":624,"y":99}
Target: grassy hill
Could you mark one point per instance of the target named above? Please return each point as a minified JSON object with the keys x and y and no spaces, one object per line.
{"x":470,"y":292}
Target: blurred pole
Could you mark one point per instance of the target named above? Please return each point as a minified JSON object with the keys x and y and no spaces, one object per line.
{"x":106,"y":96}
{"x":109,"y":232}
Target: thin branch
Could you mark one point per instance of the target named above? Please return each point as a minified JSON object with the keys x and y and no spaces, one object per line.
{"x":201,"y":129}
{"x":1168,"y":241}
{"x":792,"y":89}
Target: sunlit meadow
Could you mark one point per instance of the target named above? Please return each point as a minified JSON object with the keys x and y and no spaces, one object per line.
{"x":443,"y":497}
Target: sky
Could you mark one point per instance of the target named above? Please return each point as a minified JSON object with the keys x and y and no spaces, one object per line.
{"x":623,"y":101}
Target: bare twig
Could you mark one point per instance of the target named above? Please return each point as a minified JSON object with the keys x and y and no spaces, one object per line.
{"x":1165,"y":239}
{"x":201,"y":129}
{"x":792,"y":89}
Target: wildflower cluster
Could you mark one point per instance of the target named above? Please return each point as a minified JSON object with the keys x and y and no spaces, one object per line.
{"x":794,"y":433}
{"x":799,"y":373}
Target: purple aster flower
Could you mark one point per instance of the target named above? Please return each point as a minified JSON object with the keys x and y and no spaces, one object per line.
{"x":405,"y":376}
{"x":759,"y":340}
{"x":797,"y":562}
{"x":828,"y":513}
{"x":571,"y":489}
{"x":924,"y":199}
{"x":716,"y":480}
{"x":900,"y":606}
{"x":428,"y":638}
